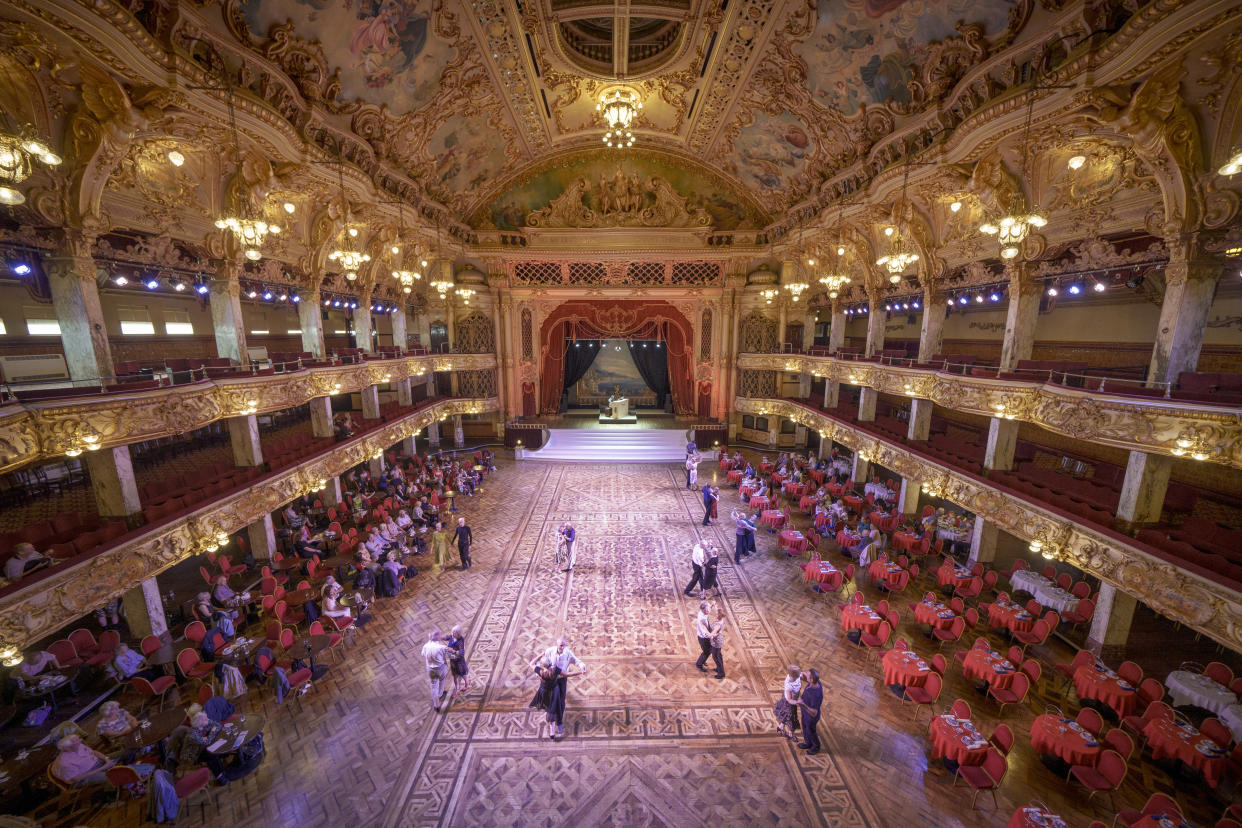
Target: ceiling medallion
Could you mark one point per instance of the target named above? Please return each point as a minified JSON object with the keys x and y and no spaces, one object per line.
{"x":619,"y":105}
{"x":16,"y":152}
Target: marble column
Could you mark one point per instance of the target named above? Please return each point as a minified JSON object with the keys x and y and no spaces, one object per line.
{"x":862,"y":469}
{"x":800,"y":436}
{"x":310,"y":320}
{"x":836,"y":339}
{"x":832,"y":393}
{"x":1190,"y":285}
{"x":71,"y":276}
{"x":321,"y":417}
{"x":262,"y":537}
{"x":774,"y":435}
{"x":433,"y":435}
{"x":1002,"y":442}
{"x":1143,"y":490}
{"x":400,"y":328}
{"x":405,"y":392}
{"x":144,"y":611}
{"x":983,"y":541}
{"x":375,"y":465}
{"x":1021,"y":315}
{"x":867,"y":398}
{"x":459,"y":433}
{"x":920,"y":419}
{"x":331,"y":495}
{"x":409,"y":446}
{"x":364,"y":336}
{"x":370,"y":402}
{"x":226,"y":312}
{"x":112,"y":482}
{"x":1110,"y":626}
{"x":908,"y":497}
{"x":931,"y":332}
{"x":876,"y":320}
{"x":244,"y":438}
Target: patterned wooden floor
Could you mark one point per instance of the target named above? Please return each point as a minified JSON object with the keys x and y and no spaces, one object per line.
{"x":649,"y":739}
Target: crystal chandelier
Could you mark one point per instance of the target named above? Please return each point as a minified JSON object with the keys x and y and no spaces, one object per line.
{"x":346,"y":256}
{"x":1234,"y":165}
{"x":405,"y":278}
{"x":900,"y":255}
{"x":769,"y":294}
{"x":465,"y":294}
{"x":16,"y":152}
{"x":1012,"y":228}
{"x":250,"y":231}
{"x":619,"y":106}
{"x":797,"y":287}
{"x":836,"y":277}
{"x":442,"y":286}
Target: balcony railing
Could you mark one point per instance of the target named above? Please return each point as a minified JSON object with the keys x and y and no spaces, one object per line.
{"x":1166,"y":585}
{"x":1153,"y":424}
{"x":44,"y":429}
{"x":38,"y":606}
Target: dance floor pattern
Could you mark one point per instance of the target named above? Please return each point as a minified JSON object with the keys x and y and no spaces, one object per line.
{"x":649,"y":740}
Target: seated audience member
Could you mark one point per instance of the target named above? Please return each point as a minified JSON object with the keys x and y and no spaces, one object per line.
{"x":25,"y":559}
{"x":404,"y":523}
{"x":77,"y":764}
{"x":305,"y":544}
{"x":128,"y":663}
{"x":114,"y":720}
{"x":331,"y":597}
{"x":203,"y":732}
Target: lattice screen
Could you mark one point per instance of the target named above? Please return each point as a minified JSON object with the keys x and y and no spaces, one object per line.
{"x":478,"y":384}
{"x":528,"y":334}
{"x":695,"y":273}
{"x":759,"y":334}
{"x":475,"y":335}
{"x":645,"y":273}
{"x":537,"y":273}
{"x":587,"y":273}
{"x":705,"y":336}
{"x":636,"y":273}
{"x":757,"y":383}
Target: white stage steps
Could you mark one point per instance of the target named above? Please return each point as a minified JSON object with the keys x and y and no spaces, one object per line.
{"x":616,"y":444}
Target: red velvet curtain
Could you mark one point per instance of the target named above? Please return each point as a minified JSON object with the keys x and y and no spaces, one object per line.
{"x":617,"y":320}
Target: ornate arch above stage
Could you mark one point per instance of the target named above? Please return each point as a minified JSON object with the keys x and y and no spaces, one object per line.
{"x":608,"y":319}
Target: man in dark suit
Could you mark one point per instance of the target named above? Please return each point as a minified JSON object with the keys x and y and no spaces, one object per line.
{"x":463,"y":538}
{"x":810,"y":701}
{"x":709,"y":497}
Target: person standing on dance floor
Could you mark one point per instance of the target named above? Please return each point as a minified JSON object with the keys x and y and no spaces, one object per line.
{"x":439,"y":547}
{"x":709,"y":500}
{"x":811,"y":700}
{"x":692,"y":470}
{"x":717,"y":642}
{"x":562,"y":657}
{"x":546,"y":697}
{"x":745,"y":535}
{"x":703,"y":629}
{"x":463,"y":538}
{"x":710,"y":570}
{"x":697,"y":558}
{"x":571,"y":536}
{"x":436,"y":654}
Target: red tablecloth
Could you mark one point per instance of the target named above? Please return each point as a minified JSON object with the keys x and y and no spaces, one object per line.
{"x":794,"y":539}
{"x":958,"y":740}
{"x":822,"y":520}
{"x":906,"y":542}
{"x":760,"y":502}
{"x":823,"y":572}
{"x":1166,"y":737}
{"x":773,"y":518}
{"x":794,"y":489}
{"x":745,"y":492}
{"x":1163,"y":821}
{"x":725,"y":463}
{"x":845,"y":539}
{"x":777,"y":478}
{"x":886,"y":571}
{"x":766,"y":467}
{"x":956,"y":576}
{"x":1032,"y":816}
{"x":734,"y":476}
{"x":981,"y":665}
{"x":807,"y":503}
{"x":816,"y":475}
{"x":835,"y":489}
{"x":904,"y":667}
{"x":854,"y":502}
{"x":860,"y":617}
{"x":1063,"y":737}
{"x":1010,"y":616}
{"x":934,"y":613}
{"x":1092,"y":683}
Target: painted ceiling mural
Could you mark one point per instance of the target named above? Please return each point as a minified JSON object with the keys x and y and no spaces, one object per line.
{"x":867,"y":51}
{"x":386,"y":50}
{"x":771,"y":153}
{"x":729,"y":209}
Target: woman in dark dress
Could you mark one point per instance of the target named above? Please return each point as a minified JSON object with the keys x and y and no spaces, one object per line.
{"x":548,"y":697}
{"x":457,"y":662}
{"x":709,"y":570}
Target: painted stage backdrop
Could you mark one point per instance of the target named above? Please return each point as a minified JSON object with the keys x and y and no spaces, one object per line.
{"x":613,"y":369}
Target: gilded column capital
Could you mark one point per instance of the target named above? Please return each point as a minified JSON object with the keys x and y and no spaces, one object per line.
{"x":1187,"y":263}
{"x":72,"y":259}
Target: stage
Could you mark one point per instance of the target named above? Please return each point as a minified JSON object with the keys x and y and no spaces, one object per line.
{"x":580,"y":436}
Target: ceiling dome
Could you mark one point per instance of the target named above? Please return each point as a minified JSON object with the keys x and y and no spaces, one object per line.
{"x":591,"y":43}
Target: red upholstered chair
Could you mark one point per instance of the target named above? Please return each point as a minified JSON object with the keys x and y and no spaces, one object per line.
{"x":960,"y":708}
{"x":152,"y":689}
{"x":65,"y":653}
{"x":878,"y":639}
{"x":334,"y":639}
{"x":953,"y":633}
{"x":1120,"y":741}
{"x":1032,"y":670}
{"x":196,"y":631}
{"x":1002,"y":738}
{"x":193,"y":783}
{"x":298,"y":680}
{"x":1082,"y":589}
{"x":1065,"y":581}
{"x":84,"y":642}
{"x":1015,"y":693}
{"x":1219,"y":673}
{"x":986,"y":777}
{"x":1038,"y":635}
{"x":149,"y":645}
{"x":193,"y":667}
{"x":1081,"y":659}
{"x":108,"y":642}
{"x":1105,"y":777}
{"x":938,"y":664}
{"x":228,"y":567}
{"x":1080,"y":614}
{"x":1131,"y":672}
{"x":971,"y":589}
{"x":927,"y":695}
{"x":1157,"y":803}
{"x":121,"y":777}
{"x":1150,"y":693}
{"x":1216,"y":731}
{"x":981,"y":643}
{"x":1091,"y":720}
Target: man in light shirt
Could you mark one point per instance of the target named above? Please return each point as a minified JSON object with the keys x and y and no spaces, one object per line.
{"x":562,"y":657}
{"x":703,"y":629}
{"x":435,"y":653}
{"x":697,"y":558}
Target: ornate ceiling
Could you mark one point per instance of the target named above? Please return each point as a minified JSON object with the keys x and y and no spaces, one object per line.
{"x":760,"y":100}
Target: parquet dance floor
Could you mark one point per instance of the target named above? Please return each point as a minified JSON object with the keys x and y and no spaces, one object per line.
{"x":649,"y":739}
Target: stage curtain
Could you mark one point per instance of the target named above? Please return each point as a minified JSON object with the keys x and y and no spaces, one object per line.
{"x":578,"y":358}
{"x":680,"y":368}
{"x":652,"y":364}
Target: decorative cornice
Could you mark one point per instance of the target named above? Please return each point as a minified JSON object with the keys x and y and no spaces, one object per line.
{"x":67,"y":594}
{"x":39,"y":431}
{"x":1176,"y":593}
{"x":1153,"y":425}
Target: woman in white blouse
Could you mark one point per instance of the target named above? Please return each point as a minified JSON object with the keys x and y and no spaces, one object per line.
{"x":331,"y":595}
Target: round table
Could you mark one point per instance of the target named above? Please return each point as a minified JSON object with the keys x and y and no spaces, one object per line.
{"x":860,"y":617}
{"x":296,"y":597}
{"x":1011,"y":616}
{"x":1179,"y":740}
{"x":905,"y":667}
{"x":338,"y":561}
{"x":957,"y":740}
{"x":760,"y":502}
{"x":358,"y":596}
{"x":238,"y":650}
{"x":1231,"y":717}
{"x":886,"y":571}
{"x":823,"y":572}
{"x":989,"y":666}
{"x":792,"y":538}
{"x":795,"y":489}
{"x":745,"y":492}
{"x":957,"y":576}
{"x":1065,"y":738}
{"x":1103,"y":685}
{"x":822,"y":519}
{"x":806,"y":504}
{"x":46,"y":685}
{"x":816,"y":475}
{"x":1197,"y":689}
{"x":1035,"y":816}
{"x":906,"y":541}
{"x":164,"y":656}
{"x":23,"y":766}
{"x":286,"y":564}
{"x":853,"y":502}
{"x":236,"y":733}
{"x":934,"y":613}
{"x":847,"y":539}
{"x":772,"y":518}
{"x":158,"y":727}
{"x":733,"y":477}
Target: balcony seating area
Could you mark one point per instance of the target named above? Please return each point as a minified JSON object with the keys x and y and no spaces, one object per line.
{"x":1201,"y":542}
{"x":284,"y":361}
{"x":1214,"y":388}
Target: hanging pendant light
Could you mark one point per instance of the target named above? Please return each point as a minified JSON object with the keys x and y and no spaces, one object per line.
{"x":250,"y":230}
{"x":900,"y":254}
{"x":18,"y":151}
{"x":347,"y":256}
{"x":1015,"y":225}
{"x":836,"y":277}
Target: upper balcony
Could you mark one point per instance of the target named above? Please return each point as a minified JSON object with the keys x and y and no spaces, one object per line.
{"x":1176,"y":422}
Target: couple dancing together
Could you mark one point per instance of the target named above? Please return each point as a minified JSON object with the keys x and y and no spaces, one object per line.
{"x":553,"y":670}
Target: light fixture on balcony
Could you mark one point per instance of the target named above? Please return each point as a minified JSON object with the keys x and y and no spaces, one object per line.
{"x":17,"y":153}
{"x":619,"y":105}
{"x":1192,"y":445}
{"x":900,"y":254}
{"x":1012,"y":228}
{"x":250,"y":230}
{"x":85,"y":440}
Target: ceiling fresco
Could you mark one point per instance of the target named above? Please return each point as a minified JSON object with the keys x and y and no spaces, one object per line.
{"x":771,"y":153}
